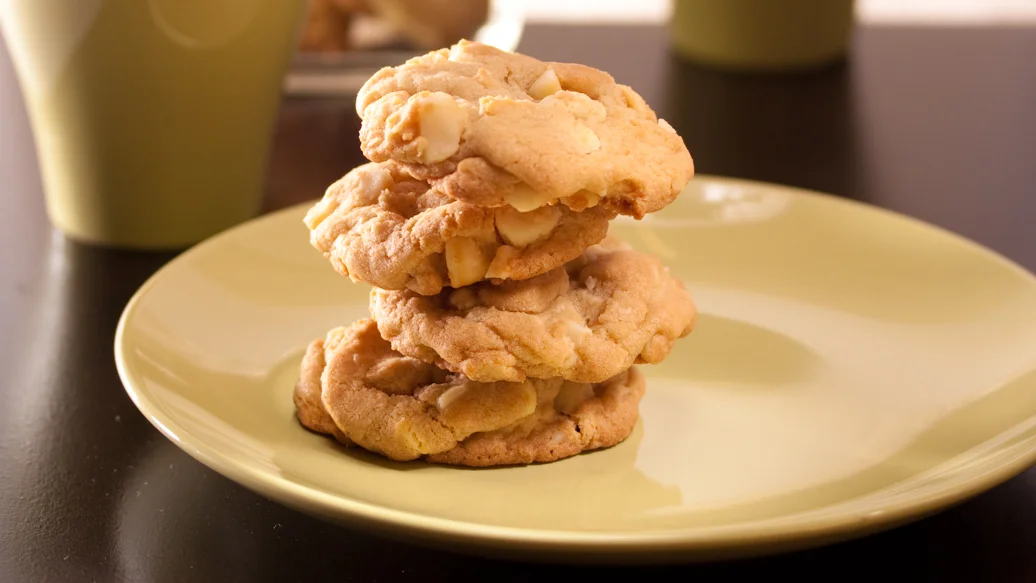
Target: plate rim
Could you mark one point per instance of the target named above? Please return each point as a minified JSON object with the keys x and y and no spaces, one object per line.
{"x":659,"y":544}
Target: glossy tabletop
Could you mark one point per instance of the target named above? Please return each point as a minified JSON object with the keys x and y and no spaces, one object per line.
{"x":936,"y":123}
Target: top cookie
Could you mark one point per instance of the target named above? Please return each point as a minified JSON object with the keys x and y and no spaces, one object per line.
{"x":586,"y":322}
{"x":493,"y":128}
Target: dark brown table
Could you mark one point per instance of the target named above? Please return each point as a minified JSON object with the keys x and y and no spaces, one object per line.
{"x":938,"y":123}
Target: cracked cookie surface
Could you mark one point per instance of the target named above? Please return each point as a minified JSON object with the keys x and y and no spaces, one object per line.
{"x":379,"y":225}
{"x":610,"y":308}
{"x":493,"y":128}
{"x":353,"y":386}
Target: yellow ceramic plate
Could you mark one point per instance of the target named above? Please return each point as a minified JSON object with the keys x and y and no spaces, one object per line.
{"x":852,"y":369}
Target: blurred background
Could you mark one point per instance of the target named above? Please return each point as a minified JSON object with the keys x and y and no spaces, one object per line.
{"x":344,"y":40}
{"x":131,"y":114}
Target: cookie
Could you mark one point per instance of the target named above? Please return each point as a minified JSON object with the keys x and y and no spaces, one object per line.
{"x":380,"y":226}
{"x":308,"y":390}
{"x":353,"y":386}
{"x":493,"y":128}
{"x":584,"y":322}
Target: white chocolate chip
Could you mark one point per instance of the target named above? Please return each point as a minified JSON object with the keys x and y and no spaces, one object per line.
{"x":441,"y":125}
{"x":497,"y":370}
{"x":581,"y":106}
{"x":665,"y":125}
{"x":500,"y":267}
{"x":633,"y":100}
{"x":577,"y":333}
{"x":374,"y":183}
{"x":318,"y":214}
{"x":544,"y":85}
{"x":523,"y":229}
{"x":524,"y":199}
{"x":587,"y":139}
{"x":465,"y":263}
{"x":582,"y":200}
{"x":451,"y":395}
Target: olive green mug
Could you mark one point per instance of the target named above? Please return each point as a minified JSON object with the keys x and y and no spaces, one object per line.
{"x":152,"y":118}
{"x":762,"y":35}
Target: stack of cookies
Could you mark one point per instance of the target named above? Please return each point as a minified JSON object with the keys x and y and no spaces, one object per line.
{"x":505,"y":323}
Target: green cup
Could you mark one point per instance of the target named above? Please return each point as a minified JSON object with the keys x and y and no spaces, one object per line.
{"x":762,"y":35}
{"x":152,"y":118}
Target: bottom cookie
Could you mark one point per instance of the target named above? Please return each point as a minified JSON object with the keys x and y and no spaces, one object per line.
{"x":354,"y":387}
